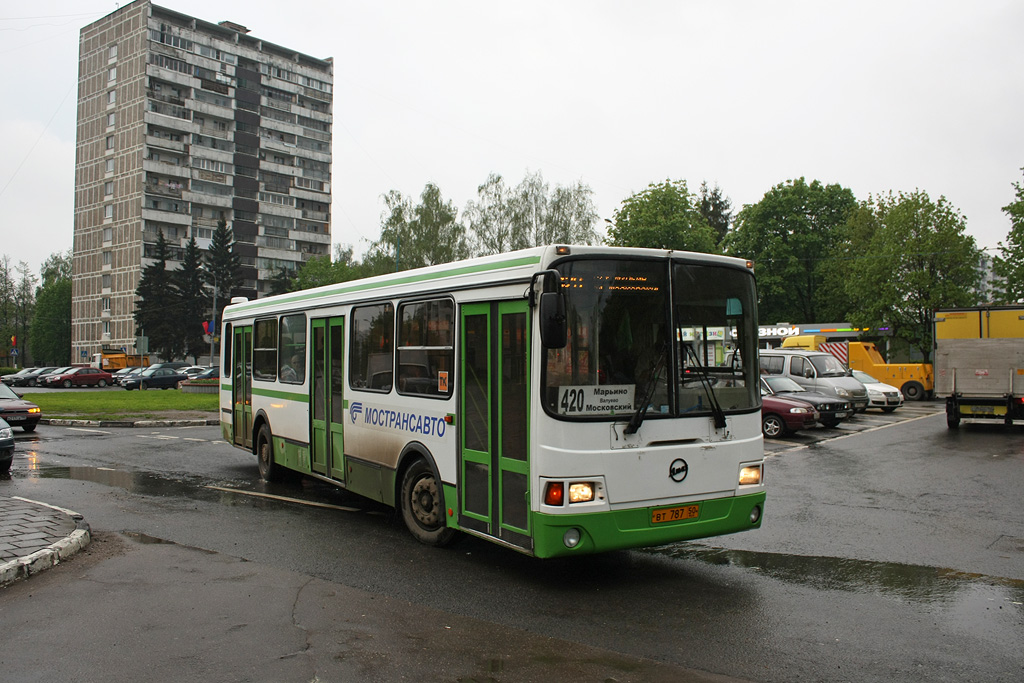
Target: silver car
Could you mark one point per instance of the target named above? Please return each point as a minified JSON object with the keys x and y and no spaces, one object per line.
{"x":880,"y":395}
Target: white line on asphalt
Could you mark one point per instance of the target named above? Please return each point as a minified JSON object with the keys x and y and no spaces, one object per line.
{"x":90,"y":431}
{"x":284,"y":499}
{"x":847,"y":436}
{"x":189,"y":438}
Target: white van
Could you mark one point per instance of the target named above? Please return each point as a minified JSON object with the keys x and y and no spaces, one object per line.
{"x":815,"y":371}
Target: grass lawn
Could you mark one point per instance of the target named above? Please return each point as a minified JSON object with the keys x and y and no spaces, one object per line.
{"x":124,"y":405}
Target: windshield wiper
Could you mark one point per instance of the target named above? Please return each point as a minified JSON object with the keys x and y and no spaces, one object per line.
{"x":652,"y":383}
{"x":705,"y":381}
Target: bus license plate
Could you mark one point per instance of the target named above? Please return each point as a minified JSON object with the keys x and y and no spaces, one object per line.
{"x":675,"y":514}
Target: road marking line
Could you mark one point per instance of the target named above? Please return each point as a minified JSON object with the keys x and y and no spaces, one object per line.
{"x":855,"y":433}
{"x":285,"y":499}
{"x":90,"y":431}
{"x":189,"y":438}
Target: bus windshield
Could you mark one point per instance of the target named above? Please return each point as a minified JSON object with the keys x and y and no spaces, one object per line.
{"x":669,"y":336}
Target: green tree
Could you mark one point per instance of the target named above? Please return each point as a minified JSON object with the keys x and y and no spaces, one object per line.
{"x":281,"y":281}
{"x":157,"y":309}
{"x":424,"y":234}
{"x":24,"y":304}
{"x":1009,"y":265}
{"x":195,"y":301}
{"x":663,"y":216}
{"x":321,"y":270}
{"x":491,"y":218}
{"x":917,"y":257}
{"x":571,"y":216}
{"x":792,"y":235}
{"x":51,"y":322}
{"x":716,"y":209}
{"x":223,"y":267}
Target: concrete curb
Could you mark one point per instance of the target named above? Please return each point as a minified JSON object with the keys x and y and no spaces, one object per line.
{"x":57,"y":422}
{"x":60,"y":551}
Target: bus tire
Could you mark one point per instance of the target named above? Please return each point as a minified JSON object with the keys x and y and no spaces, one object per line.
{"x":421,"y":506}
{"x":913,"y":391}
{"x":269,"y":470}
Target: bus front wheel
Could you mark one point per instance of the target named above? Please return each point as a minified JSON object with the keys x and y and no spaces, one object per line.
{"x":421,"y":506}
{"x":269,"y":470}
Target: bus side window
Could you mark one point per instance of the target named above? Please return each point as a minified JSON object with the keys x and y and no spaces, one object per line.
{"x":372,"y":354}
{"x":264,"y":354}
{"x":426,"y":349}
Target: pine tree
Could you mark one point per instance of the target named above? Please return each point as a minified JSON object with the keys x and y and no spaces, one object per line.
{"x":195,"y":300}
{"x":157,"y":313}
{"x":223,"y":267}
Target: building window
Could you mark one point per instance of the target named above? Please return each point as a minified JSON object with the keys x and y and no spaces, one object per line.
{"x":110,"y":166}
{"x":112,"y":74}
{"x":108,"y":211}
{"x":111,"y":97}
{"x":106,"y":328}
{"x":111,"y":119}
{"x":112,"y":52}
{"x":106,"y":282}
{"x":110,"y":142}
{"x":107,"y":258}
{"x":108,"y":234}
{"x":105,"y":303}
{"x":108,"y":188}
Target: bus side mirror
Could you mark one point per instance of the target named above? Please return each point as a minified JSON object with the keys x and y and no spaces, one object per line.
{"x":553,"y":327}
{"x":551,"y":308}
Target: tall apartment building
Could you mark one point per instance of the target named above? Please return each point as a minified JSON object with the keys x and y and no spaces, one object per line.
{"x":182,"y":124}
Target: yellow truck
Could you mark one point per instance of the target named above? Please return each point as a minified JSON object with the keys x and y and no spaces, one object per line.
{"x":915,"y":380}
{"x":979,"y":363}
{"x":114,"y":359}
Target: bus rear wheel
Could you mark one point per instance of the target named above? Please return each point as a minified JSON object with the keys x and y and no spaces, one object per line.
{"x":269,"y":470}
{"x":421,"y":506}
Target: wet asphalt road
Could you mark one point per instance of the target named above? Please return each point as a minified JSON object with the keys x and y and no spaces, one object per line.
{"x":892,"y":549}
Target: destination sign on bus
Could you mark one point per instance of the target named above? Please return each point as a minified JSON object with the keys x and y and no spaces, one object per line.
{"x":605,"y":399}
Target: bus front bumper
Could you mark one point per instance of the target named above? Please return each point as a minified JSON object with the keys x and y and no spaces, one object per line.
{"x":580,"y":534}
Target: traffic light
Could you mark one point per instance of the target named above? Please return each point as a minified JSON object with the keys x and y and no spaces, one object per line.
{"x":14,"y":340}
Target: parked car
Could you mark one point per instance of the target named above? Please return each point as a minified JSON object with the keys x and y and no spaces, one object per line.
{"x":815,"y":371}
{"x":782,"y":416}
{"x":131,"y":373}
{"x":880,"y":395}
{"x":210,"y":373}
{"x":155,"y":378}
{"x":173,"y":364}
{"x":192,"y":370}
{"x":6,"y":447}
{"x":79,"y":377}
{"x":831,"y":410}
{"x":29,"y":379}
{"x":17,"y":411}
{"x":13,"y":377}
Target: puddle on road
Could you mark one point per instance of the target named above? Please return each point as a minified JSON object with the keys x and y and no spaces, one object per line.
{"x":984,"y":603}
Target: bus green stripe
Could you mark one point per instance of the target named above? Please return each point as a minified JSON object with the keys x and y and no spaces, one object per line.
{"x":408,"y":279}
{"x":286,"y":395}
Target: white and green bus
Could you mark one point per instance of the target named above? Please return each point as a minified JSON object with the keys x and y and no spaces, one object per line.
{"x":556,"y":400}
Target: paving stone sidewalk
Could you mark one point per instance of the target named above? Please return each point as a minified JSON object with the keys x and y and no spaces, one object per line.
{"x":35,"y":536}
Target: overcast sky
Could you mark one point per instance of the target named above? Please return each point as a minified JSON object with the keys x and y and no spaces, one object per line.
{"x":875,"y":96}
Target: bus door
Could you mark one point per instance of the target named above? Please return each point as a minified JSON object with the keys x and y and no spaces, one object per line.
{"x":327,"y":444}
{"x":494,"y":428}
{"x":241,"y":386}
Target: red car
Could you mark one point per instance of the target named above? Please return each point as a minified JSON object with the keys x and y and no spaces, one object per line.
{"x":782,"y":416}
{"x":17,"y":411}
{"x":79,"y":377}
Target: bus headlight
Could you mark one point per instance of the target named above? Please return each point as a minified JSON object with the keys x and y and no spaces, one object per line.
{"x":581,"y":491}
{"x":749,"y":475}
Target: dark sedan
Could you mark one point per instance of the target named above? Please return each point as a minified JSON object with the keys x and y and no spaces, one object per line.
{"x":15,"y":376}
{"x":17,"y":411}
{"x":155,"y":378}
{"x":832,"y":410}
{"x":6,"y":447}
{"x":78,"y":377}
{"x":30,"y":379}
